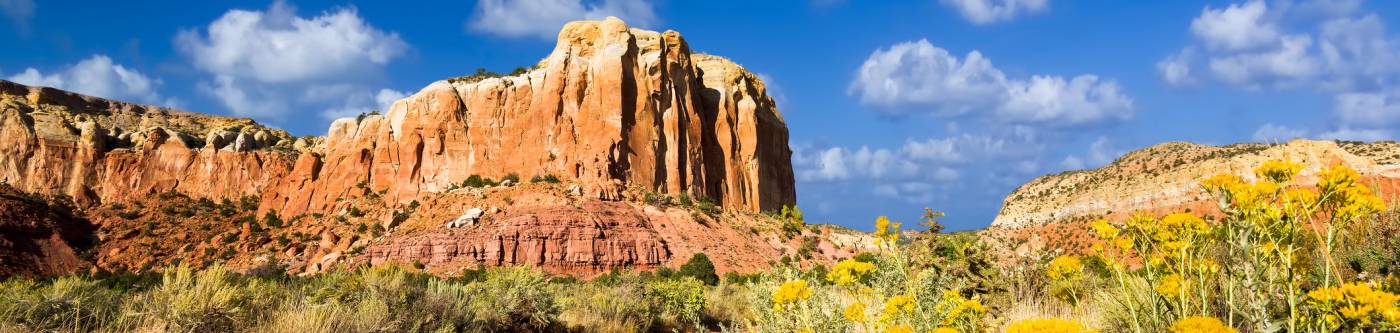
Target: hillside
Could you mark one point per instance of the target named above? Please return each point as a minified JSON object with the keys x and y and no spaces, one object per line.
{"x":1052,"y":211}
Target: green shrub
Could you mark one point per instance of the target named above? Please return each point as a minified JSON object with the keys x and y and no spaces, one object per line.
{"x":679,"y":302}
{"x":551,"y":179}
{"x":513,"y":298}
{"x":66,"y":304}
{"x":700,"y":268}
{"x":595,"y":307}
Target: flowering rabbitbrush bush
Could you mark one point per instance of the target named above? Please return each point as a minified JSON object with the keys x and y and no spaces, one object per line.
{"x":1253,"y":268}
{"x":886,"y":292}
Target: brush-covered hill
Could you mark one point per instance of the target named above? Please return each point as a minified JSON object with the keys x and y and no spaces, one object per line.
{"x":1050,"y":210}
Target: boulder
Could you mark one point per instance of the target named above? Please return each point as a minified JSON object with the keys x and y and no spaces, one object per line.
{"x":466,"y":219}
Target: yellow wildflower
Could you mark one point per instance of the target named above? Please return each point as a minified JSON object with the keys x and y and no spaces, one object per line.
{"x":1278,"y":171}
{"x":944,"y":330}
{"x":899,"y":329}
{"x":1222,"y":183}
{"x":1104,"y":230}
{"x":1198,"y":324}
{"x":855,"y":312}
{"x":1046,"y":325}
{"x":1184,"y":225}
{"x":897,"y":305}
{"x":1064,"y":269}
{"x":1171,"y":285}
{"x":1355,"y":305}
{"x":886,"y":231}
{"x":1123,"y":243}
{"x":850,"y":271}
{"x":790,"y":293}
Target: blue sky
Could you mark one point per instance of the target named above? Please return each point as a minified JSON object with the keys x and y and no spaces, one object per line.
{"x":892,"y":105}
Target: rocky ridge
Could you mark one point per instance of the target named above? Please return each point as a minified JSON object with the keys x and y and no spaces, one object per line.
{"x":1167,"y":176}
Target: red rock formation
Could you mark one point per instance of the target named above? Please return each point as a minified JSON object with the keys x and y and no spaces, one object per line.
{"x":562,"y":239}
{"x":37,"y":238}
{"x":618,"y":112}
{"x":612,"y":108}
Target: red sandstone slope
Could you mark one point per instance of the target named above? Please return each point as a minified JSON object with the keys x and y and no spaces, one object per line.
{"x":40,"y":238}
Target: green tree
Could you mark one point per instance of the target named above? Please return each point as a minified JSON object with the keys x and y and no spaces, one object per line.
{"x":700,"y":268}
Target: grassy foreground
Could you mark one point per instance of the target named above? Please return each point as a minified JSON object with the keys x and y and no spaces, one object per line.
{"x":1280,"y":257}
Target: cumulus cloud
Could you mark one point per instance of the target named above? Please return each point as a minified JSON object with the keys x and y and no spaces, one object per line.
{"x":1235,"y":27}
{"x":1271,"y":133}
{"x":259,"y":60}
{"x":920,"y":75}
{"x":925,"y":170}
{"x":277,"y":46}
{"x":933,"y":159}
{"x":1176,"y":68}
{"x":19,"y":12}
{"x":1358,"y":134}
{"x":1284,"y":66}
{"x":993,"y":11}
{"x":1323,"y":45}
{"x":1100,"y":152}
{"x":96,"y":76}
{"x":380,"y":101}
{"x":542,"y":18}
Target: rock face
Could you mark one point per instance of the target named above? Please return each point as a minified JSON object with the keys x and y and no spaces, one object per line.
{"x":38,"y":239}
{"x":593,"y":238}
{"x":615,"y":114}
{"x":94,"y":150}
{"x":612,"y":109}
{"x":1167,"y":177}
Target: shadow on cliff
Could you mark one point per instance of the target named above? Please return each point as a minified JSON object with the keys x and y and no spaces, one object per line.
{"x":42,"y":236}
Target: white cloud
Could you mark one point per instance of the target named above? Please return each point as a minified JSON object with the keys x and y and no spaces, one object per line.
{"x":1323,"y":45}
{"x":918,"y":74}
{"x":1176,"y":68}
{"x":1358,"y":53}
{"x":1286,"y":65}
{"x":19,"y":12}
{"x":364,"y":103}
{"x":1051,"y":99}
{"x":278,"y":46}
{"x":1235,"y":27}
{"x":1270,"y":133}
{"x":922,"y":171}
{"x":993,"y":11}
{"x":543,"y":18}
{"x":269,"y":63}
{"x":1368,"y":110}
{"x":933,"y":158}
{"x":1354,"y":134}
{"x":96,"y":76}
{"x":1100,"y":152}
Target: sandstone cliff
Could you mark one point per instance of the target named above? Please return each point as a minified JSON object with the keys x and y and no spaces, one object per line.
{"x":1167,"y":176}
{"x":617,"y":114}
{"x":612,"y":108}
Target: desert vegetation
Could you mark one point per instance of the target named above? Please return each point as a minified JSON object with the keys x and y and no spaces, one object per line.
{"x":1280,"y":255}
